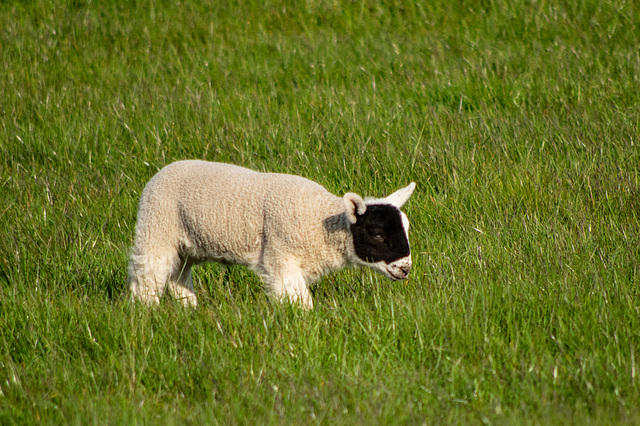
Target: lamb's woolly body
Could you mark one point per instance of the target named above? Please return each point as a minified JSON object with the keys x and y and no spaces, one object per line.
{"x":287,"y":229}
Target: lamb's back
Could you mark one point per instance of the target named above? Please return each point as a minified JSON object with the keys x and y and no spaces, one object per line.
{"x":226,"y":213}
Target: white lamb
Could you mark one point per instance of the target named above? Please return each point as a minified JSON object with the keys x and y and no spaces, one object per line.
{"x":287,"y":229}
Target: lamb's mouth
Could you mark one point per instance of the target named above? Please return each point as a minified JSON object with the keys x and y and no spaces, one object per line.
{"x":395,"y":277}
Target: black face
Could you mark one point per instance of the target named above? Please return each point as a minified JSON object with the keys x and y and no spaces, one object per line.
{"x":379,"y":234}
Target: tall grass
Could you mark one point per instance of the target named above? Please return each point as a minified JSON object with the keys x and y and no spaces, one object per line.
{"x":518,"y":120}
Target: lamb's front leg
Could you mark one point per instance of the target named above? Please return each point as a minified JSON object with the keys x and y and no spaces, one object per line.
{"x":289,"y":283}
{"x":181,"y":286}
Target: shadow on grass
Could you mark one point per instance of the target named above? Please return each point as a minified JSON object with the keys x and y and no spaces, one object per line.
{"x":114,"y":285}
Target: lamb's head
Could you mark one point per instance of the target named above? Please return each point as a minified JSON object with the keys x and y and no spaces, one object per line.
{"x":381,"y":232}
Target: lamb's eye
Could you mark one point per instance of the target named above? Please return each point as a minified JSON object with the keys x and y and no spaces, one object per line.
{"x":378,"y":236}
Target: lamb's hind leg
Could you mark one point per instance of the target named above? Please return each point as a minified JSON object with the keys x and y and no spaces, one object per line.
{"x":181,"y":285}
{"x":148,"y":275}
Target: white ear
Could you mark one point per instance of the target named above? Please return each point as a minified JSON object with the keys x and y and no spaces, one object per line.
{"x":355,"y":206}
{"x":399,"y":197}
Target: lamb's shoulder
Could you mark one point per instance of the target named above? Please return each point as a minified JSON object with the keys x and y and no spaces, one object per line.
{"x":305,"y":225}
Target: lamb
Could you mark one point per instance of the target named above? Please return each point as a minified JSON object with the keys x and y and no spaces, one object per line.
{"x":287,"y":229}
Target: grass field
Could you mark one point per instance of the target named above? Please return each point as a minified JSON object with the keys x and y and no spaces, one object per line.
{"x":519,"y":121}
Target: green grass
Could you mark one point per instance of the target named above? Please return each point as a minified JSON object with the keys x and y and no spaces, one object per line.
{"x":519,"y":121}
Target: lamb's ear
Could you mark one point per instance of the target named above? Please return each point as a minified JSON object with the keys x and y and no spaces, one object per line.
{"x":399,"y":197}
{"x":355,"y":206}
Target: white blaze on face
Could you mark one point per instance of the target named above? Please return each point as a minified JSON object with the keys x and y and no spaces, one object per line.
{"x":401,"y":267}
{"x":405,"y":224}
